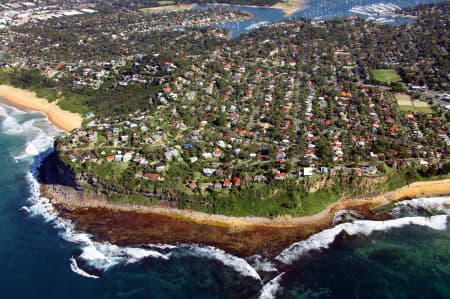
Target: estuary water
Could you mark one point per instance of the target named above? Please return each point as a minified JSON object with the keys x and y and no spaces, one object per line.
{"x":314,"y":9}
{"x":42,"y":256}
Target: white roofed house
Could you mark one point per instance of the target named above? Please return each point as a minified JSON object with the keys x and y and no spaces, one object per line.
{"x":208,"y":171}
{"x":308,"y":171}
{"x":171,"y":153}
{"x":127,"y":157}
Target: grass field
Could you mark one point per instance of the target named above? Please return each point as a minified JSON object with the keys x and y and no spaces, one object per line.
{"x":385,"y":76}
{"x":166,"y":2}
{"x":406,"y":105}
{"x":168,"y":7}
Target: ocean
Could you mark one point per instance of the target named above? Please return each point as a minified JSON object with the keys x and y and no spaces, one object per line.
{"x":42,"y":256}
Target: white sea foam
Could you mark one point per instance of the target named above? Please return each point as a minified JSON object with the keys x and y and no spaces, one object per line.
{"x":103,"y":255}
{"x":432,"y":205}
{"x":78,"y":270}
{"x":29,"y":125}
{"x":341,"y":216}
{"x":323,"y":239}
{"x":100,"y":255}
{"x":271,"y":288}
{"x":239,"y":265}
{"x":162,"y":246}
{"x":261,"y":264}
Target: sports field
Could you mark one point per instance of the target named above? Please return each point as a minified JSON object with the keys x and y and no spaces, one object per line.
{"x":407,"y":105}
{"x":385,"y":76}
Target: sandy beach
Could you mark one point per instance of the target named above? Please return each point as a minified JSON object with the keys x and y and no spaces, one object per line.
{"x":63,"y":119}
{"x":289,"y":7}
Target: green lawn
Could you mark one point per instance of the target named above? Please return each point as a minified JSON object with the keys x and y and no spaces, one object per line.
{"x":404,"y":108}
{"x":166,"y":2}
{"x":427,"y":110}
{"x":405,"y":104}
{"x":385,"y":76}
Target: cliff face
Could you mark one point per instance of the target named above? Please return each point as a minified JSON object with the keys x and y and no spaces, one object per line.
{"x":54,"y":171}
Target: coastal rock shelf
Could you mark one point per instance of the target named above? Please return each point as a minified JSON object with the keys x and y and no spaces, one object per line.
{"x":244,"y":236}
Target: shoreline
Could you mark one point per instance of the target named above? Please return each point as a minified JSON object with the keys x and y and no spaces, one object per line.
{"x":289,"y":8}
{"x":133,"y":225}
{"x":63,"y":119}
{"x":413,"y":190}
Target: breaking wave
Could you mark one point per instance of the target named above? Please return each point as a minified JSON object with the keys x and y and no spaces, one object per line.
{"x":324,"y":239}
{"x":33,"y":126}
{"x":77,"y":270}
{"x":94,"y":257}
{"x":239,"y":265}
{"x":427,"y":206}
{"x":99,"y":256}
{"x":271,"y":288}
{"x":261,"y":264}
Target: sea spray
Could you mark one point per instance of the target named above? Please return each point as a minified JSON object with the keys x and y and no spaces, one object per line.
{"x":271,"y":288}
{"x":427,"y":206}
{"x":324,"y":239}
{"x":99,"y":255}
{"x":74,"y":267}
{"x":34,"y":127}
{"x":238,"y":264}
{"x":261,"y":264}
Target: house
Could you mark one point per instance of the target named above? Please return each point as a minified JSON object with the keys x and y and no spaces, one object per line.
{"x":259,"y":178}
{"x":192,"y":184}
{"x":237,"y":182}
{"x":92,"y":136}
{"x":248,"y":179}
{"x":370,"y":170}
{"x":160,"y":166}
{"x":207,"y":155}
{"x":227,"y":184}
{"x":208,"y":171}
{"x":205,"y":186}
{"x":152,"y":176}
{"x":280,"y":176}
{"x":171,"y":153}
{"x":127,"y":157}
{"x":308,"y":171}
